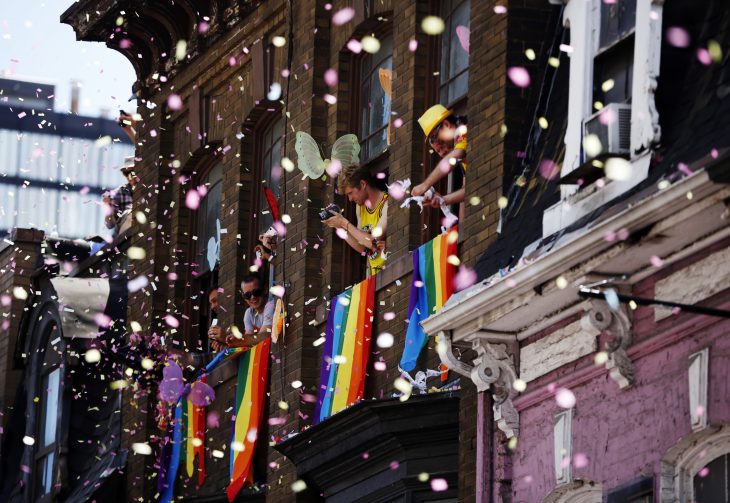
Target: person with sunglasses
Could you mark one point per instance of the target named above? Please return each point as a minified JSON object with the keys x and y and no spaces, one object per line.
{"x":259,"y":315}
{"x":446,"y":133}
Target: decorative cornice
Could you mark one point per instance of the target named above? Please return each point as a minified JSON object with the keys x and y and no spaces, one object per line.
{"x":493,"y":369}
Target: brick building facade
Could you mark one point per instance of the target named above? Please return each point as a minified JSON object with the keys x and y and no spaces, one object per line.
{"x":212,"y":115}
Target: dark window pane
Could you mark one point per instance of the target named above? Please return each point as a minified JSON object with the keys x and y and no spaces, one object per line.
{"x":617,"y":19}
{"x":375,"y":102}
{"x":271,"y":158}
{"x":613,"y":71}
{"x":712,"y":483}
{"x":50,"y":393}
{"x":208,"y":215}
{"x":454,"y":63}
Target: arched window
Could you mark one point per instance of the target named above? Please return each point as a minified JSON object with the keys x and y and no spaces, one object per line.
{"x":579,"y":491}
{"x":697,"y":468}
{"x":49,"y":391}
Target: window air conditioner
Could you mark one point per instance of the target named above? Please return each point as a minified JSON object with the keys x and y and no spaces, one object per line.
{"x":612,"y":126}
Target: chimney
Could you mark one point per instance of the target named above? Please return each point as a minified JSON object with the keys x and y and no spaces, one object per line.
{"x":75,"y":89}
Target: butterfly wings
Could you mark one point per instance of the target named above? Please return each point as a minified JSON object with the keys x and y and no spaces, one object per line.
{"x":346,"y":150}
{"x":309,"y":159}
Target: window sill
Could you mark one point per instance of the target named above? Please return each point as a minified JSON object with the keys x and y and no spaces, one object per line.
{"x":574,"y":207}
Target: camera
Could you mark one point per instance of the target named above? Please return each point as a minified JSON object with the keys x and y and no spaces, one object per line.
{"x":327,"y":212}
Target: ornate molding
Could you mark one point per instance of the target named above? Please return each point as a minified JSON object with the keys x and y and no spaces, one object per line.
{"x":617,"y":324}
{"x":493,"y":369}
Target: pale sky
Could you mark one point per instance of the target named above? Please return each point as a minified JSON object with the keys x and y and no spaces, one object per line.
{"x":34,"y":45}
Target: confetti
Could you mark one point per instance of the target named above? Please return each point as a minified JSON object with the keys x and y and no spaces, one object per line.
{"x":28,"y":440}
{"x":298,"y":486}
{"x":330,"y":77}
{"x":370,"y":44}
{"x":432,"y":25}
{"x":678,"y":37}
{"x":617,"y":168}
{"x":519,"y":76}
{"x":142,"y":448}
{"x":92,"y":356}
{"x":565,"y":398}
{"x":462,"y":33}
{"x":174,"y":102}
{"x":439,"y":485}
{"x":385,"y":340}
{"x":278,"y":41}
{"x":343,"y":16}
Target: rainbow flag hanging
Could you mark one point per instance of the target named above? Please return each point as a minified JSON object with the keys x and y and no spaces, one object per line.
{"x":253,"y":376}
{"x":431,"y":287}
{"x":180,"y":428}
{"x":194,"y":428}
{"x":346,"y":349}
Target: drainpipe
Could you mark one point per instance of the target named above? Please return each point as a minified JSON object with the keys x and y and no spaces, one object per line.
{"x":485,"y":448}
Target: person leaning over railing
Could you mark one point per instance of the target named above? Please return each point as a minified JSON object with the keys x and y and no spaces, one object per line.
{"x":368,"y":234}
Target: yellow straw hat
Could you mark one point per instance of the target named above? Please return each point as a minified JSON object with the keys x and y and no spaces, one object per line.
{"x":433,"y":117}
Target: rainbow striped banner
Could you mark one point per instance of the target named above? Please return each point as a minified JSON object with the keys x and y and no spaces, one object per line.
{"x":253,"y":377}
{"x":181,"y":432}
{"x":431,"y":287}
{"x":346,"y":349}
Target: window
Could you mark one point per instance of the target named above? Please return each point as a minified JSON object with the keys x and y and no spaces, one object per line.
{"x":639,"y":491}
{"x":712,"y":483}
{"x":614,"y":62}
{"x":375,"y":96}
{"x":48,"y":416}
{"x":207,"y":252}
{"x":208,"y":221}
{"x":454,"y":70}
{"x":270,"y":160}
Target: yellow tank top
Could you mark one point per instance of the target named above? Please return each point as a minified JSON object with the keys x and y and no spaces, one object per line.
{"x":369,"y":219}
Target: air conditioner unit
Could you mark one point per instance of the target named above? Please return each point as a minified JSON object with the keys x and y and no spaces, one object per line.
{"x":612,"y":126}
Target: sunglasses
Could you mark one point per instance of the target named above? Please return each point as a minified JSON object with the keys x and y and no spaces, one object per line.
{"x":434,"y":135}
{"x":258,"y":292}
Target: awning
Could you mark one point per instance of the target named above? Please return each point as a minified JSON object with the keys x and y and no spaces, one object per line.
{"x":81,"y":304}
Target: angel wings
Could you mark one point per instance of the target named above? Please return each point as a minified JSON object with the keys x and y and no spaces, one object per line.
{"x":346,"y":151}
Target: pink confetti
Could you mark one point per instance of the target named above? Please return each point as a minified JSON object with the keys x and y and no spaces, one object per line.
{"x":280,"y":228}
{"x":343,"y":16}
{"x":607,"y":116}
{"x":565,"y":398}
{"x":519,"y":76}
{"x":656,"y":261}
{"x":102,"y":320}
{"x":390,"y":315}
{"x":330,"y":99}
{"x":232,"y":61}
{"x":330,"y":77}
{"x":704,"y":472}
{"x":462,"y":33}
{"x":413,"y":45}
{"x":203,"y":27}
{"x":380,"y":366}
{"x":678,"y":37}
{"x":464,"y":278}
{"x":213,"y":419}
{"x":623,"y":234}
{"x":333,"y":168}
{"x":714,"y":153}
{"x":439,"y":485}
{"x":125,"y":43}
{"x":398,"y":122}
{"x":192,"y":199}
{"x":394,"y":465}
{"x":549,"y":170}
{"x":580,"y":460}
{"x":703,"y":55}
{"x":172,"y":321}
{"x":396,"y":191}
{"x":174,"y":102}
{"x":354,"y":46}
{"x":500,"y":9}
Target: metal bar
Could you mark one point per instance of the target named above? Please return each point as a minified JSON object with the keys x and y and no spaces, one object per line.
{"x":643,"y":301}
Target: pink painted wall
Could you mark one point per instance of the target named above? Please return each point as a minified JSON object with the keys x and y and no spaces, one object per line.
{"x":625,"y":433}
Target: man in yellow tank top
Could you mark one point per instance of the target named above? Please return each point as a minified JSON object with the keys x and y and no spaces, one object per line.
{"x":368,"y":235}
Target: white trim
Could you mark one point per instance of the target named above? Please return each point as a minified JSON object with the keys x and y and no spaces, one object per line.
{"x":697,"y":376}
{"x":580,"y":491}
{"x":563,"y":446}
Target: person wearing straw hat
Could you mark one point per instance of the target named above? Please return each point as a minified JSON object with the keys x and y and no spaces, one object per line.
{"x":118,"y":202}
{"x":446,"y":133}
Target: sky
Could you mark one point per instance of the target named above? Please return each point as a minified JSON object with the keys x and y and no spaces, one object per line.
{"x":35,"y":46}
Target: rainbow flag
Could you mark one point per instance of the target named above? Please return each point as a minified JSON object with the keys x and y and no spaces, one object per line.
{"x":346,"y":349}
{"x":180,"y":427}
{"x":431,"y":287}
{"x":253,"y":376}
{"x":194,"y":428}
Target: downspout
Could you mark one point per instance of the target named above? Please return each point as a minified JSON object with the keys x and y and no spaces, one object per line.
{"x":485,"y":448}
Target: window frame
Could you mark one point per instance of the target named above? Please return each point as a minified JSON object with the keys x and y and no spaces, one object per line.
{"x":50,"y":361}
{"x":266,"y":125}
{"x":199,"y":283}
{"x":457,"y":104}
{"x":358,"y":82}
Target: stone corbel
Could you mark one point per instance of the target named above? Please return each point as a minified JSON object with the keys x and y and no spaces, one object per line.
{"x":493,"y":369}
{"x":616,"y":323}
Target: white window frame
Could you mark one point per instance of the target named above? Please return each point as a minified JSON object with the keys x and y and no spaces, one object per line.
{"x":583,"y":19}
{"x":563,"y":445}
{"x":697,"y":374}
{"x":580,"y":491}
